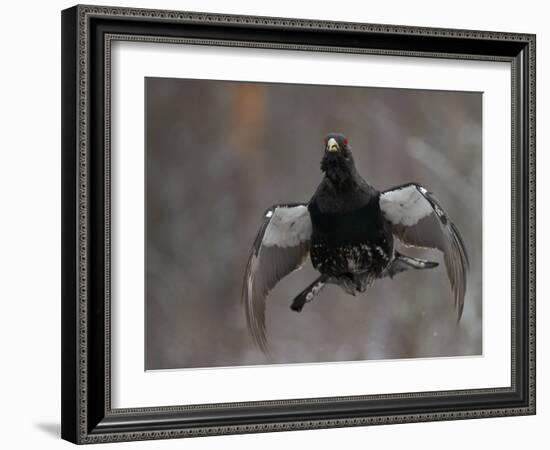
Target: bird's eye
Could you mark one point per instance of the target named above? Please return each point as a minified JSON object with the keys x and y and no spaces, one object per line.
{"x":345,"y":141}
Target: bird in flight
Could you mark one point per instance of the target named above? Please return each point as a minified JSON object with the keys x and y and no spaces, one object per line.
{"x":349,"y":230}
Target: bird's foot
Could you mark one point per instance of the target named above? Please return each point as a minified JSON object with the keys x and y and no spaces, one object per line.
{"x":402,"y":263}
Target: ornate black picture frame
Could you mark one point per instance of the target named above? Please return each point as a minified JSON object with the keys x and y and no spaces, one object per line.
{"x":87,"y":34}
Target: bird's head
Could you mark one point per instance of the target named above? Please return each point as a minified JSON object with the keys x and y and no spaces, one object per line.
{"x":337,"y":162}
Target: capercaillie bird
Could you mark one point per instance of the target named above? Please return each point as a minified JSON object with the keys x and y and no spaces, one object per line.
{"x":349,"y":229}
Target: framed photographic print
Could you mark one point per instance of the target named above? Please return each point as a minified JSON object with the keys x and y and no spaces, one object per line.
{"x":206,"y":158}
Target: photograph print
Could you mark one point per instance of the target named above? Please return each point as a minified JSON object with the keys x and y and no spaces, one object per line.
{"x":296,"y":223}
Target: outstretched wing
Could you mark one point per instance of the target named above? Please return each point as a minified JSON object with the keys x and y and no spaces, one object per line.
{"x":418,"y":220}
{"x":280,"y":247}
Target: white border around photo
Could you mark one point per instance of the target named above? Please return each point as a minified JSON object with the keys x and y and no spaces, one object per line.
{"x":132,"y":386}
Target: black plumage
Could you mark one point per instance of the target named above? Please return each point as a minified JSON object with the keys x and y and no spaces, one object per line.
{"x":349,"y":229}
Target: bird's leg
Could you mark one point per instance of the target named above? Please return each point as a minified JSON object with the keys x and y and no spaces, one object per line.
{"x":402,"y":263}
{"x":308,"y":294}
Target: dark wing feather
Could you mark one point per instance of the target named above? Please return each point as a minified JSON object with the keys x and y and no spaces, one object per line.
{"x":418,"y":220}
{"x":280,"y":247}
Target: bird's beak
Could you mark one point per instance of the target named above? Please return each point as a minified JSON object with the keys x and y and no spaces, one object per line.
{"x":332,"y":145}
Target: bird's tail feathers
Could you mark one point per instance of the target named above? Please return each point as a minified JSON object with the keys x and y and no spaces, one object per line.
{"x":308,"y":294}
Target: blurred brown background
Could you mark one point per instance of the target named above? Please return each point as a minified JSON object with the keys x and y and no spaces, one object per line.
{"x":219,"y":153}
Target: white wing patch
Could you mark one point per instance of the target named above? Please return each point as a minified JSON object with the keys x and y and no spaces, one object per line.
{"x":281,"y":245}
{"x":418,"y":220}
{"x":405,"y":206}
{"x":288,"y":227}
